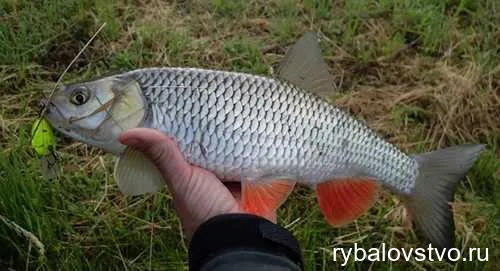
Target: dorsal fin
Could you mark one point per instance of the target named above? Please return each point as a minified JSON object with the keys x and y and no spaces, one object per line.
{"x":304,"y":67}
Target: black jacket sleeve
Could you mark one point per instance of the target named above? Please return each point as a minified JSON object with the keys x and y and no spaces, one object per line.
{"x":243,"y":242}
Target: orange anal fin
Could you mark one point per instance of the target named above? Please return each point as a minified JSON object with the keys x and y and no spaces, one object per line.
{"x":343,"y":200}
{"x":264,"y":198}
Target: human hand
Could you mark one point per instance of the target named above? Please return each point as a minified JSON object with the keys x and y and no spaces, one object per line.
{"x":197,"y":193}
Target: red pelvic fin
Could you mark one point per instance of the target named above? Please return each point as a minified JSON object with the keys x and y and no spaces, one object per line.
{"x":264,"y":199}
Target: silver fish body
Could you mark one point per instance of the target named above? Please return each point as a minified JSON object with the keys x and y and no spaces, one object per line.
{"x":255,"y":129}
{"x":248,"y":127}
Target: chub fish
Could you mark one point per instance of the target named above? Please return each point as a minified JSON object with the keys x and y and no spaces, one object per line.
{"x":267,"y":133}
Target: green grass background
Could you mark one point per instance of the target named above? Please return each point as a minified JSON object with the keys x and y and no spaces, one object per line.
{"x":378,"y":51}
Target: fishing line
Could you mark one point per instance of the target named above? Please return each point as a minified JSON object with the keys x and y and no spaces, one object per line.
{"x":126,"y":116}
{"x":58,"y":82}
{"x":116,"y":121}
{"x":103,"y":107}
{"x":109,"y":116}
{"x":119,"y":95}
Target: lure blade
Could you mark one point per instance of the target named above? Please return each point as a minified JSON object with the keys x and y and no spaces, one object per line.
{"x":43,"y":142}
{"x":42,"y":137}
{"x":49,"y":165}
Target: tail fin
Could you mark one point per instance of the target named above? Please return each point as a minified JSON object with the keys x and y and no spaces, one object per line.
{"x":439,"y":174}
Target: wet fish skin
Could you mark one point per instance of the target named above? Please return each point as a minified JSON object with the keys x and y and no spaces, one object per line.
{"x":250,"y":127}
{"x":266,"y":133}
{"x":258,"y":130}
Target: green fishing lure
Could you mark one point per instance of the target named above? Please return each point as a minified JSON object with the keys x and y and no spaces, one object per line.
{"x":43,"y":142}
{"x":42,"y":137}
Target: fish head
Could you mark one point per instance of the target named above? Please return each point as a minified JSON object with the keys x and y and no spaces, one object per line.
{"x":97,"y":112}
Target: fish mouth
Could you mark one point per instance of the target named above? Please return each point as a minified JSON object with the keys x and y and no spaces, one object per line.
{"x":55,"y":116}
{"x":87,"y":137}
{"x":59,"y":121}
{"x":66,"y":126}
{"x":43,"y":103}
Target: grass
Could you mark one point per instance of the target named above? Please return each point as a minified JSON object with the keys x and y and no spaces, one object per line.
{"x":424,"y":73}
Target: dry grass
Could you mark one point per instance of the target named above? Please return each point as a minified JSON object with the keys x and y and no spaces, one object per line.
{"x":438,"y":103}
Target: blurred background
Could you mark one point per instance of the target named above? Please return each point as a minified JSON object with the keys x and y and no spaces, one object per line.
{"x":423,"y":73}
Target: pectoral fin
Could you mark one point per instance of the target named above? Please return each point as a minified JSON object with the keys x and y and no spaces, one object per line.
{"x":264,"y":198}
{"x":304,"y":67}
{"x":136,"y":175}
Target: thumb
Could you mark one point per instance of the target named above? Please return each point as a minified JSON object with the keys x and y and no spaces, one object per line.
{"x":198,"y":194}
{"x":161,"y":150}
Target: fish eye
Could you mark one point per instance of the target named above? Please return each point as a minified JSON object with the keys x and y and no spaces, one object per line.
{"x":79,"y":96}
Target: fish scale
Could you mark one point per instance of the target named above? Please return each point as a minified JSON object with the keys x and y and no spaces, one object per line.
{"x":254,"y":129}
{"x":269,"y":126}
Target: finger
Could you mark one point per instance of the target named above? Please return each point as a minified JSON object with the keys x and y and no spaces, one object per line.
{"x":198,"y":194}
{"x":161,"y":150}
